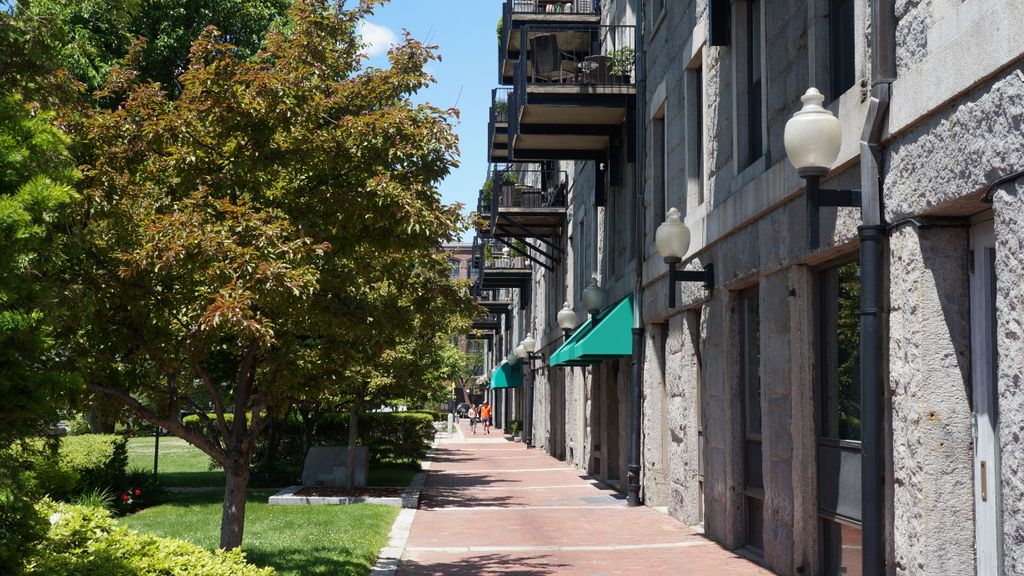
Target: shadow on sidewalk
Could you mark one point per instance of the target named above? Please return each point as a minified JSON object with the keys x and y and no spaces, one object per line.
{"x":503,"y":564}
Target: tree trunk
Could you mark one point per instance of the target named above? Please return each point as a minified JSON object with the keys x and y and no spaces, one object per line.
{"x":353,"y":435}
{"x":307,"y":430}
{"x":232,"y":521}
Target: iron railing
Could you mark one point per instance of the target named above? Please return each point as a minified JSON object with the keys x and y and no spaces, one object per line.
{"x":599,"y":55}
{"x":553,"y":6}
{"x":497,"y":256}
{"x":514,"y":188}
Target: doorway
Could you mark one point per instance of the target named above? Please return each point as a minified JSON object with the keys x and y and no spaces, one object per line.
{"x":987,"y":505}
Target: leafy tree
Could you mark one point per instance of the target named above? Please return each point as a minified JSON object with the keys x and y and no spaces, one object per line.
{"x":91,"y":37}
{"x":36,"y":177}
{"x":259,"y":222}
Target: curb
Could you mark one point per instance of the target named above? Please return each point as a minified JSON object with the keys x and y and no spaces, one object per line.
{"x":391,"y":555}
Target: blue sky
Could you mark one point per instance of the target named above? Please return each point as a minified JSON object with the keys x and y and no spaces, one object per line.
{"x":464,"y":31}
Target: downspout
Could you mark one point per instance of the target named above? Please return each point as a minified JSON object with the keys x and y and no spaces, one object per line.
{"x":873,"y":239}
{"x":636,"y":376}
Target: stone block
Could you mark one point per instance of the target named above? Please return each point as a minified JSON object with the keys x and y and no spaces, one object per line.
{"x":327,"y":466}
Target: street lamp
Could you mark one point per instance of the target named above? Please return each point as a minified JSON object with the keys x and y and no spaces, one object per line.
{"x":567,"y":319}
{"x":525,"y":351}
{"x":672,"y":240}
{"x":593,"y":297}
{"x":813,"y":137}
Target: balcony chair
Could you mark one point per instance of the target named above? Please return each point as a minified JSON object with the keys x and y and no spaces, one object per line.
{"x":549,"y":63}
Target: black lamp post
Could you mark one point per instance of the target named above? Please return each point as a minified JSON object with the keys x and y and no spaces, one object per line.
{"x":525,"y":352}
{"x":673,"y":241}
{"x":813,"y":138}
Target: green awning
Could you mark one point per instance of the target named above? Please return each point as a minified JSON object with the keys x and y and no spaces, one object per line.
{"x":505,"y":376}
{"x":610,"y":336}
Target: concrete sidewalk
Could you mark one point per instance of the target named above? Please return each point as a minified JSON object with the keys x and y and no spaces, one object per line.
{"x":491,"y":506}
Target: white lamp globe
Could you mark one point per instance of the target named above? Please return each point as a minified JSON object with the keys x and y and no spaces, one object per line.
{"x":529,"y":343}
{"x":813,"y":136}
{"x":521,"y":350}
{"x":593,"y":297}
{"x":672,"y":237}
{"x":566,"y":317}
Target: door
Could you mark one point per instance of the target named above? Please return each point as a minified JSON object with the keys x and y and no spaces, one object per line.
{"x":987,"y":508}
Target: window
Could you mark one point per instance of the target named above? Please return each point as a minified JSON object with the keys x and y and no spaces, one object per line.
{"x":842,"y":59}
{"x":838,"y":403}
{"x":454,"y":273}
{"x":695,"y":133}
{"x":750,"y":373}
{"x":749,"y":80}
{"x":660,"y":161}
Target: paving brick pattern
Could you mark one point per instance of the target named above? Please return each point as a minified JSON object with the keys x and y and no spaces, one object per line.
{"x":491,"y":506}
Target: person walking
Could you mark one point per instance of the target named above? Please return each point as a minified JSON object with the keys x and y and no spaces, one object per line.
{"x":485,"y":415}
{"x":472,"y":418}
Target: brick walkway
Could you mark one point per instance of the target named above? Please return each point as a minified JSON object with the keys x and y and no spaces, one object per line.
{"x":493,"y":507}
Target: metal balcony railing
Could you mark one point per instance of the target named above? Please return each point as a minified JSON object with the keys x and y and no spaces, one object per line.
{"x":499,"y":106}
{"x":554,"y":6}
{"x":514,"y":188}
{"x":597,"y":55}
{"x":497,"y":256}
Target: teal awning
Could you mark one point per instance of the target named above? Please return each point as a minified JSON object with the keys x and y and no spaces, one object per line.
{"x":607,"y":335}
{"x":505,"y":376}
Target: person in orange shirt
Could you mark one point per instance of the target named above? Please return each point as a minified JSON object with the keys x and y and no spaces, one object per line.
{"x":485,"y":417}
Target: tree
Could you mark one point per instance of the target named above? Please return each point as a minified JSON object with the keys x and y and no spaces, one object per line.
{"x":251,"y":223}
{"x":36,"y":177}
{"x":91,"y":37}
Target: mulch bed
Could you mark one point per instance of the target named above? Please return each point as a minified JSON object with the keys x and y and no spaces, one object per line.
{"x":332,"y":492}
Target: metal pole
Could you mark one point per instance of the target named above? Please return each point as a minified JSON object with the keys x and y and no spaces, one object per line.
{"x":872,"y":238}
{"x":812,"y":203}
{"x":156,"y":453}
{"x":636,"y":368}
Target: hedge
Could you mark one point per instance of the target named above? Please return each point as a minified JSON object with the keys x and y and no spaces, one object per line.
{"x":81,"y":464}
{"x":393,"y":437}
{"x":84,"y":540}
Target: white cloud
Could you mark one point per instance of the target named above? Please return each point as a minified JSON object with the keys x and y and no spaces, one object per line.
{"x":377,"y":38}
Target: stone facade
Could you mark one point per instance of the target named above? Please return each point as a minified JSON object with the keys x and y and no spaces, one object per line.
{"x":955,"y":124}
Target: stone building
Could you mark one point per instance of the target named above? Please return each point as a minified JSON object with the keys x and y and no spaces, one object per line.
{"x":750,"y":406}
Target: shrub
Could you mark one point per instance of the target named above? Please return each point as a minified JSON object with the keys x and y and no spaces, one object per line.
{"x":79,"y":465}
{"x":84,"y":540}
{"x":21,"y":526}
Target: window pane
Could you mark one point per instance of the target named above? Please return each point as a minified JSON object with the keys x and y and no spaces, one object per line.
{"x":839,"y":351}
{"x":841,"y":34}
{"x":751,"y":358}
{"x":841,"y":549}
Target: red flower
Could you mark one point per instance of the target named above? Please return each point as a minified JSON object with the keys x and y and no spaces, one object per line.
{"x":125,"y":497}
{"x":136,"y":492}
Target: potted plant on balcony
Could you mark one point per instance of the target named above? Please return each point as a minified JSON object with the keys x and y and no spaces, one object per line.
{"x":508,"y":188}
{"x":621,"y":62}
{"x":501,"y":110}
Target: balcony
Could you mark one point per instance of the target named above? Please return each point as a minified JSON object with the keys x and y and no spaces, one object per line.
{"x":538,"y":13}
{"x":487,"y":322}
{"x":527,"y":203}
{"x":497,"y":126}
{"x":504,"y":267}
{"x":573,"y":93}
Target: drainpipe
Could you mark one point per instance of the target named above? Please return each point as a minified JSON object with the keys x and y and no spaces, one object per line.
{"x":636,"y":375}
{"x":873,"y":238}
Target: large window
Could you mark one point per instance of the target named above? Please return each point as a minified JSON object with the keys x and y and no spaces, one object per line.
{"x":695,"y":132}
{"x":750,"y":79}
{"x":660,"y":161}
{"x":838,"y":401}
{"x":842,"y":59}
{"x":750,"y":373}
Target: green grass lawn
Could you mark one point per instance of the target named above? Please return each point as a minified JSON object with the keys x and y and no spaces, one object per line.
{"x":181,"y":464}
{"x":184,"y":465}
{"x":295,"y":540}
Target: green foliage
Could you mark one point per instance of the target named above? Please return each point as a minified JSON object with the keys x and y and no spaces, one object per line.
{"x":92,"y":37}
{"x":499,"y":27}
{"x":80,"y":465}
{"x":21,"y":527}
{"x":514,"y":426}
{"x":84,"y":540}
{"x":622,"y":61}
